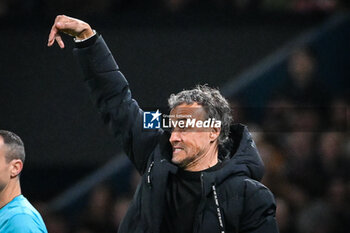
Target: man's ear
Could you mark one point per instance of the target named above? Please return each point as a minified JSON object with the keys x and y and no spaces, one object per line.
{"x":16,"y":167}
{"x":214,"y":134}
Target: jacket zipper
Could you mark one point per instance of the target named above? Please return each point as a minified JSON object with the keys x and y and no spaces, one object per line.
{"x":202,"y":204}
{"x":149,"y":181}
{"x":200,"y":207}
{"x":218,"y":211}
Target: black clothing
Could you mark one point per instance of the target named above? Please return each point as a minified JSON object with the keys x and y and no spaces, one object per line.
{"x":182,"y":199}
{"x":231,"y":200}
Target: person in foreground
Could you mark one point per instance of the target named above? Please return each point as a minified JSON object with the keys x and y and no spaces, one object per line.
{"x":17,"y":215}
{"x":194,"y":179}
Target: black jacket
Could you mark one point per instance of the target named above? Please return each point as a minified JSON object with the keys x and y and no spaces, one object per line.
{"x":232,"y":198}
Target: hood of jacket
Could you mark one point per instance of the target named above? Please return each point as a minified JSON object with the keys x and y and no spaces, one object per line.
{"x":240,"y":157}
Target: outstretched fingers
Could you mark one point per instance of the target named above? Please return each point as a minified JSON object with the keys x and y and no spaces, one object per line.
{"x":55,"y":36}
{"x":52,"y":35}
{"x":55,"y":32}
{"x":59,"y":41}
{"x":70,"y":26}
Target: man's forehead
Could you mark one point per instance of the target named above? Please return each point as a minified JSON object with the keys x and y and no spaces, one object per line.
{"x":188,"y":111}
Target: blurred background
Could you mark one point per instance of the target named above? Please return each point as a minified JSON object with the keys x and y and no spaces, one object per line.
{"x":284,"y":66}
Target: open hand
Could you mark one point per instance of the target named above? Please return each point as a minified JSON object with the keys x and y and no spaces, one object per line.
{"x":71,"y":26}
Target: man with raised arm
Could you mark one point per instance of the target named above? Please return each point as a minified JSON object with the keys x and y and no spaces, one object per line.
{"x":198,"y":177}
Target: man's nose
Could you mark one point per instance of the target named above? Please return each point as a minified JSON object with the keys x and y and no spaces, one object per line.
{"x":175,"y":136}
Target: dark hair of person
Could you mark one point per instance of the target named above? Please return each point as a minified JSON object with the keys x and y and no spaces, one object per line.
{"x":213,"y":102}
{"x":14,"y":145}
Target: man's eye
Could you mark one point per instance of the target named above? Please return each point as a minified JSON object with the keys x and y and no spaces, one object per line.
{"x":181,"y":124}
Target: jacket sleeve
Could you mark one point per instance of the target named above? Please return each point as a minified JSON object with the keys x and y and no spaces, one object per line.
{"x":110,"y":92}
{"x":259,"y":209}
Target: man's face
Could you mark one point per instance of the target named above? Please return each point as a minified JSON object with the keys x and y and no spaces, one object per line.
{"x":5,"y":174}
{"x":189,"y":144}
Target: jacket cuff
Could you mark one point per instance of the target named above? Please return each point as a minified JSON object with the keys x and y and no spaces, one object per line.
{"x":88,"y":42}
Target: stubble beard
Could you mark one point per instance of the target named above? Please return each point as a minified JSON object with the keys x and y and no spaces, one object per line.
{"x":183,"y":163}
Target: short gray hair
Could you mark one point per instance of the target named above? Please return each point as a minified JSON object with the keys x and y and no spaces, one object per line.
{"x":14,"y":144}
{"x":215,"y":105}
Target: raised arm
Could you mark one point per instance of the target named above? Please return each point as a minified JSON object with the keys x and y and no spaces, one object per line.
{"x":108,"y":88}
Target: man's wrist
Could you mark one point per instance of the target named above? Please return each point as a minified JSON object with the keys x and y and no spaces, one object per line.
{"x":78,"y":40}
{"x":86,"y":42}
